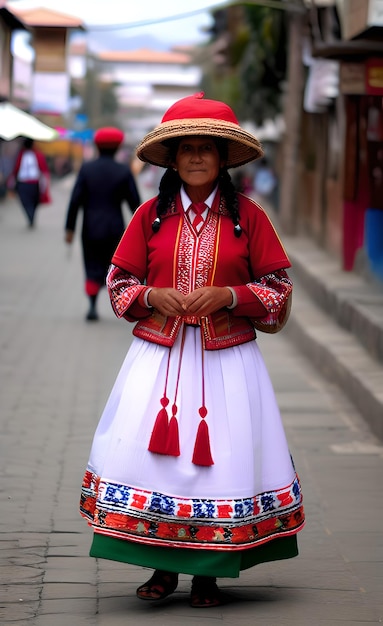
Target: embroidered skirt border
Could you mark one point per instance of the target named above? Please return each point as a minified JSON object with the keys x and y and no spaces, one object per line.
{"x":151,"y":518}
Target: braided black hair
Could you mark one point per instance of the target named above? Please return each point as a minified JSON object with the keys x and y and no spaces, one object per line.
{"x":171,"y":182}
{"x":231,"y":199}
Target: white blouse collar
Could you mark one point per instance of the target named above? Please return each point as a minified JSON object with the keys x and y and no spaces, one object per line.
{"x":186,"y":202}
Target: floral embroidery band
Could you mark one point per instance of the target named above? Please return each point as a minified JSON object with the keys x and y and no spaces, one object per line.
{"x":274,"y":291}
{"x":126,"y":290}
{"x":124,"y":512}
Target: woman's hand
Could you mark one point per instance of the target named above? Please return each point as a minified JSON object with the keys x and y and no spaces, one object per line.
{"x":69,"y":234}
{"x":206,"y":300}
{"x":167,"y":301}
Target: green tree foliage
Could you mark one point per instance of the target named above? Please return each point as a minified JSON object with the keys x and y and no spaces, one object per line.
{"x":229,"y":38}
{"x":262,"y":67}
{"x":98,"y":99}
{"x":252,"y":66}
{"x":109,"y":101}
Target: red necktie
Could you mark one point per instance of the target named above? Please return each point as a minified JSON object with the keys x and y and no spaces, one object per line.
{"x":198,"y":208}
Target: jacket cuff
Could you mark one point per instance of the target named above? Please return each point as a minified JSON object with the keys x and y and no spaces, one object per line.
{"x":248,"y":304}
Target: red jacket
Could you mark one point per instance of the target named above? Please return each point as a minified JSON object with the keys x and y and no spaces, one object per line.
{"x":176,"y":257}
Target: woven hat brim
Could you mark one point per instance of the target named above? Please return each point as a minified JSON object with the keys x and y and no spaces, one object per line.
{"x":243,"y":147}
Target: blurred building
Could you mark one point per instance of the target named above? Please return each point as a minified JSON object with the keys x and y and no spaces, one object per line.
{"x":146,"y":82}
{"x":340,"y":180}
{"x":8,"y":24}
{"x":50,"y":92}
{"x":330,"y":155}
{"x":8,"y":88}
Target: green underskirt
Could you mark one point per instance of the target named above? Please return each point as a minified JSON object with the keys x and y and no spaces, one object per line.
{"x":193,"y":561}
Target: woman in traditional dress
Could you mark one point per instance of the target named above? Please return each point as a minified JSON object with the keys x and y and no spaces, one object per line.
{"x":190,"y":469}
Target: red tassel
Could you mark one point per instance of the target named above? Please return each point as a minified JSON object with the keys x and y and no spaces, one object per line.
{"x":159,"y":437}
{"x":202,"y":452}
{"x":173,"y":447}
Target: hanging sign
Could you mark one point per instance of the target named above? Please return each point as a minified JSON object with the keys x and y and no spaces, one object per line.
{"x":374,"y":77}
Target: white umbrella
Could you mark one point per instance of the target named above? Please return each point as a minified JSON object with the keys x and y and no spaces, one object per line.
{"x":17,"y":123}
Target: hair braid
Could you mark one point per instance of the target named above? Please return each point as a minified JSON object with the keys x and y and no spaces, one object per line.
{"x":169,"y":186}
{"x":231,"y":199}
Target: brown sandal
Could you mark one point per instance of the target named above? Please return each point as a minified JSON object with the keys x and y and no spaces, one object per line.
{"x":159,"y":586}
{"x":204,"y":593}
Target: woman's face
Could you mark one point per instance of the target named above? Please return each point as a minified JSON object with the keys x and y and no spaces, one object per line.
{"x":198,"y":162}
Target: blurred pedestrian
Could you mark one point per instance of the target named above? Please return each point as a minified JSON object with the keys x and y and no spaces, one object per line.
{"x":101,"y":187}
{"x":30,"y":179}
{"x":242,"y":181}
{"x":189,"y":469}
{"x":265,"y":180}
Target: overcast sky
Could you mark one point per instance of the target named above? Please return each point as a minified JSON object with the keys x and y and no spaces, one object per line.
{"x":137,"y":14}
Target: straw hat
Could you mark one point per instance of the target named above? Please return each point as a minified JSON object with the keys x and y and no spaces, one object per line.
{"x":108,"y":137}
{"x":195,"y":115}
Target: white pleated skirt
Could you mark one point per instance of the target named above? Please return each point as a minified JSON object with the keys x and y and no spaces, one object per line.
{"x":243,"y":509}
{"x":247,"y":438}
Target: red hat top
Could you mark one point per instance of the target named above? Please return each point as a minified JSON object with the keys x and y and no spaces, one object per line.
{"x":108,"y":137}
{"x":196,"y":106}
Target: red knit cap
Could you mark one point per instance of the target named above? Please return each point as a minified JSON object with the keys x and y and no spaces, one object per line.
{"x":108,"y":137}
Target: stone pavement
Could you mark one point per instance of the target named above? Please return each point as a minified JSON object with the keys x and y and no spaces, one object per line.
{"x":337,"y":321}
{"x":56,"y":372}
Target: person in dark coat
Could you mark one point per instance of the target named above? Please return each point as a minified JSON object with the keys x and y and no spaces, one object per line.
{"x":101,"y":187}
